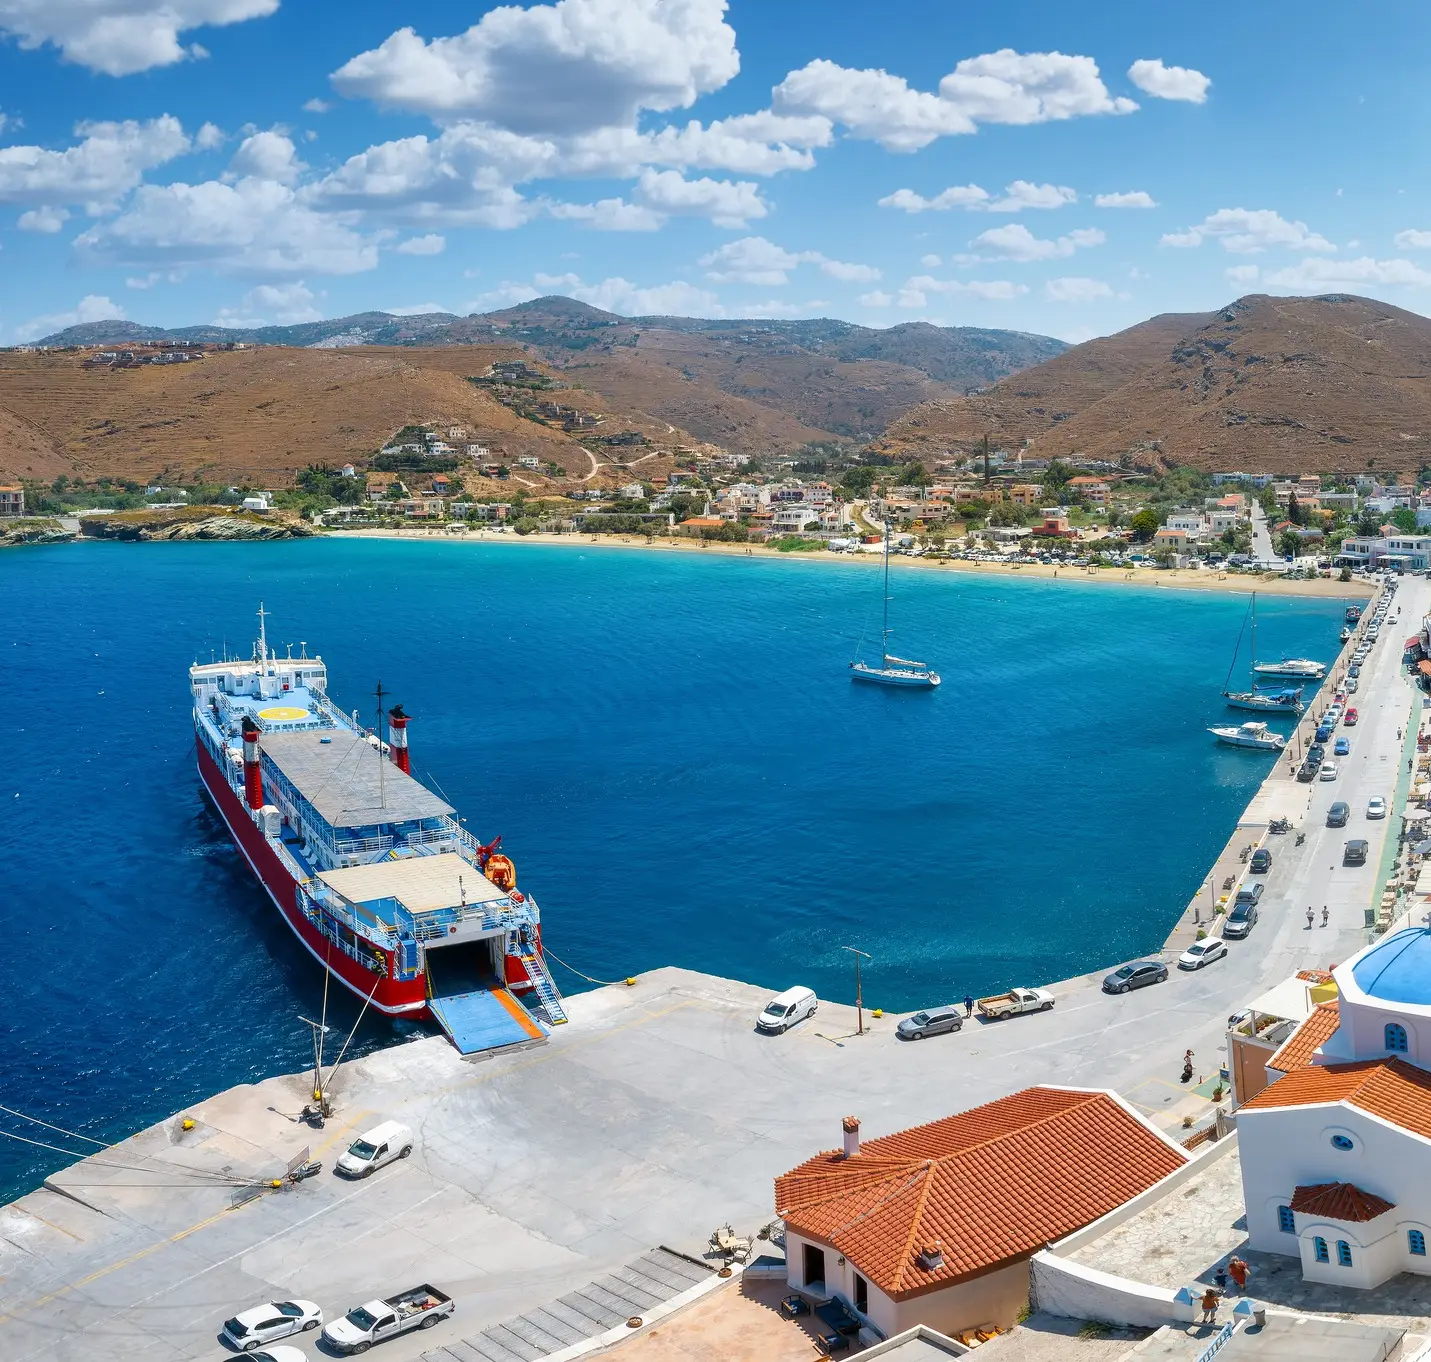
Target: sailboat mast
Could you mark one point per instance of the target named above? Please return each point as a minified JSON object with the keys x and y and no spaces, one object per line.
{"x":884,"y":637}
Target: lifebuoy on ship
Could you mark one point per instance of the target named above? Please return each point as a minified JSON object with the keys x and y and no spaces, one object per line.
{"x":500,"y":870}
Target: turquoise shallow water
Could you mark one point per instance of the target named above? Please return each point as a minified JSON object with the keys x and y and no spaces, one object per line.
{"x":671,"y":747}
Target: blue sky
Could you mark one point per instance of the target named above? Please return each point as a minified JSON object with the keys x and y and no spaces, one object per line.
{"x":1062,"y":168}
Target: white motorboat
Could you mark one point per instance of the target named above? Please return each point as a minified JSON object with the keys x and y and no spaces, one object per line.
{"x":1253,"y":734}
{"x":1301,"y":667}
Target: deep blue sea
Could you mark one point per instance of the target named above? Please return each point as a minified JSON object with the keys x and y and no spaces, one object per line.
{"x":670,"y":746}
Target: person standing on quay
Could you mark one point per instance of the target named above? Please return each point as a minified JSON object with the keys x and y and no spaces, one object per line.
{"x":1310,"y":916}
{"x":1324,"y":915}
{"x":968,"y":1004}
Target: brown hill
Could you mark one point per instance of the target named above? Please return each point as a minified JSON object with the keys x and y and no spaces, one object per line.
{"x":257,"y":416}
{"x":1335,"y":383}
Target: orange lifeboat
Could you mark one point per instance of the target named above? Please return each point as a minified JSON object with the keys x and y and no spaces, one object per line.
{"x":501,"y":872}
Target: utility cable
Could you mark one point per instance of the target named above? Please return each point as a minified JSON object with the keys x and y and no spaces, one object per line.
{"x":546,"y":953}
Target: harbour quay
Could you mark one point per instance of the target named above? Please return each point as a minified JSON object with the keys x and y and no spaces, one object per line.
{"x":657,"y":1115}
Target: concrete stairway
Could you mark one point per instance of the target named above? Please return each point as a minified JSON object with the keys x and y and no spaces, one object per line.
{"x":635,"y":1289}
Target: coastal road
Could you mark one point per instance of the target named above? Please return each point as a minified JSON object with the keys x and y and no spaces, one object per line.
{"x":1262,"y":548}
{"x":657,"y":1114}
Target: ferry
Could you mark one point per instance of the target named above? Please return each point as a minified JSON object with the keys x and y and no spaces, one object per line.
{"x":373,"y":872}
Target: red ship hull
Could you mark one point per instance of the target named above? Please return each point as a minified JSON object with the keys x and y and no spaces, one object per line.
{"x":396,"y":998}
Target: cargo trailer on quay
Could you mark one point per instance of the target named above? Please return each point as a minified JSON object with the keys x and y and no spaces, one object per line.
{"x":370,"y":869}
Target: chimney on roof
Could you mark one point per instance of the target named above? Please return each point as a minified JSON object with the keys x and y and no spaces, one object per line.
{"x":930,"y":1256}
{"x":851,"y":1127}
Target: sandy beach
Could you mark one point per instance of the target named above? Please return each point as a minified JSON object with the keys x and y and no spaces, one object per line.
{"x":1175,"y":578}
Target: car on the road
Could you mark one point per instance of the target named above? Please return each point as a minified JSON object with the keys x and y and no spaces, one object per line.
{"x":251,"y":1329}
{"x":785,"y":1009}
{"x":1317,"y":753}
{"x":1334,"y":712}
{"x":1202,"y":953}
{"x":1354,"y":853}
{"x":1338,"y":814}
{"x":1354,"y":669}
{"x":1342,"y":747}
{"x":278,"y":1352}
{"x":1376,"y":807}
{"x":1250,"y":893}
{"x":1352,"y":686}
{"x":1241,"y":920}
{"x":1351,"y":717}
{"x":1307,"y":772}
{"x":1328,"y":771}
{"x":374,"y":1149}
{"x":1261,"y":862}
{"x":1139,"y":974}
{"x":1324,"y":733}
{"x":933,"y":1021}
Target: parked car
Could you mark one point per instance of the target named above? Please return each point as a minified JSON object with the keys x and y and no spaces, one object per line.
{"x":785,"y":1009}
{"x":1354,"y":669}
{"x":1137,"y":975}
{"x":1241,"y":920}
{"x":1338,"y":814}
{"x":1250,"y":893}
{"x":936,"y":1021}
{"x":364,"y":1325}
{"x":1354,"y":853}
{"x":1016,"y":1001}
{"x":1261,"y":861}
{"x":1342,"y":747}
{"x":1307,"y":772}
{"x":374,"y":1149}
{"x":1317,"y":753}
{"x":262,"y":1324}
{"x":1324,"y":733}
{"x":1328,"y":771}
{"x":1202,"y":953}
{"x":1353,"y":686}
{"x":1376,"y":807}
{"x":1351,"y":717}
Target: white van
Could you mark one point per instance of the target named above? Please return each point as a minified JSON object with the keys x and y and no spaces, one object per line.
{"x":785,"y":1009}
{"x":371,"y":1150}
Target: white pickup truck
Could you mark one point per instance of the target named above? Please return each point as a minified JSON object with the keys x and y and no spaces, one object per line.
{"x":1015,"y":1002}
{"x":375,"y":1321}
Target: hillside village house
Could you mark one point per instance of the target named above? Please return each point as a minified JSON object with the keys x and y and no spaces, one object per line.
{"x":1412,"y":552}
{"x":1166,"y":538}
{"x":1336,"y":1152}
{"x":381,"y":484}
{"x":1055,"y":525}
{"x":935,"y":1225}
{"x":12,"y":501}
{"x":1192,"y":522}
{"x":1093,"y":490}
{"x":1026,"y":493}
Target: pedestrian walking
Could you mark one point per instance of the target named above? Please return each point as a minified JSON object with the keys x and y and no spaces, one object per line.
{"x":1209,"y":1306}
{"x":1238,"y":1271}
{"x":1187,"y":1066}
{"x":968,"y":1005}
{"x":1220,"y":1281}
{"x":1310,"y":916}
{"x":1324,"y":915}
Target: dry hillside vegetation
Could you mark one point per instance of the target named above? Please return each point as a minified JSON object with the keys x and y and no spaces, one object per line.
{"x":1279,"y":385}
{"x":257,"y":416}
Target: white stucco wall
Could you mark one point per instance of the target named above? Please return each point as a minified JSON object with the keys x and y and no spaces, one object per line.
{"x":1072,"y":1290}
{"x":1286,"y":1147}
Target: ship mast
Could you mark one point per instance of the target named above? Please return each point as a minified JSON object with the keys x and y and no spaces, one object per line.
{"x":262,"y":636}
{"x":382,"y":797}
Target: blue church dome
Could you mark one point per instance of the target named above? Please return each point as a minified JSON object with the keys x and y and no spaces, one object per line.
{"x":1398,"y":969}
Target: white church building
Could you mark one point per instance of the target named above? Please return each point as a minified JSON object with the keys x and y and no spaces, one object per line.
{"x":1336,"y":1153}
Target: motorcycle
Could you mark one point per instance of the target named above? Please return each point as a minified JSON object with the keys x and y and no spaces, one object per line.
{"x":1301,"y":837}
{"x":1279,"y":825}
{"x":304,"y":1171}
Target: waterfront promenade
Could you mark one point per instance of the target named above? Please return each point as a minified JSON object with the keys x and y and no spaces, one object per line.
{"x":656,"y":1115}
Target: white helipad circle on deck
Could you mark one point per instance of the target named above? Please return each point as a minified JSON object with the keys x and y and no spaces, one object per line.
{"x":282,"y":713}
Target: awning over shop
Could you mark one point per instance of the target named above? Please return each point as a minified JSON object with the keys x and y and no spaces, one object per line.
{"x":1425,"y":668}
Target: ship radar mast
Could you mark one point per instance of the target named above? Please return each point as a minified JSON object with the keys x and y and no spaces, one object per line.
{"x":262,"y":636}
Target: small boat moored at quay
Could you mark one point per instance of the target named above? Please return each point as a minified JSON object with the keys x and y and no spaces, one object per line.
{"x":1301,"y":668}
{"x":1251,"y":734}
{"x":1273,"y":700}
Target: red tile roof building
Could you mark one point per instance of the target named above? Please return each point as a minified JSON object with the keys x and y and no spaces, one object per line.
{"x":931,"y":1209}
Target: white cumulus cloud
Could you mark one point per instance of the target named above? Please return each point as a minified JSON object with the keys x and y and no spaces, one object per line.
{"x":1076,"y":290}
{"x":91,"y":308}
{"x":1242,"y":274}
{"x":1245,"y":231}
{"x":272,"y":305}
{"x":562,"y":68}
{"x":431,"y":244}
{"x":1169,"y":82}
{"x":120,"y":37}
{"x":47,"y":219}
{"x":997,"y":87}
{"x":677,"y":298}
{"x":1016,"y":242}
{"x":109,"y":160}
{"x":1321,"y":273}
{"x":1413,"y":240}
{"x":270,"y":156}
{"x":1016,"y":197}
{"x":754,"y":260}
{"x":1136,"y":198}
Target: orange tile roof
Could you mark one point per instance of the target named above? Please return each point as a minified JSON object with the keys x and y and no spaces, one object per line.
{"x":1340,"y":1201}
{"x":1390,"y":1088}
{"x":1300,"y":1046}
{"x":989,"y":1186}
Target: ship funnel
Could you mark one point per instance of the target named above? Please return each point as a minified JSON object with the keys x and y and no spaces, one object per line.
{"x":252,"y":778}
{"x":397,"y":739}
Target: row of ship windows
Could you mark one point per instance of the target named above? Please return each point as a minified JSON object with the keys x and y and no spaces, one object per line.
{"x":1415,"y":1240}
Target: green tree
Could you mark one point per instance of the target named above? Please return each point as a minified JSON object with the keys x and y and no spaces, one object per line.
{"x":1368,"y":523}
{"x":856,"y":482}
{"x":1294,"y":510}
{"x":1289,"y":543}
{"x":1404,"y":518}
{"x":1145,"y":524}
{"x":1057,"y":477}
{"x":913,"y":475}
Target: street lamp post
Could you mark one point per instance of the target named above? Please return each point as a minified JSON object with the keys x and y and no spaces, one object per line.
{"x":859,"y":995}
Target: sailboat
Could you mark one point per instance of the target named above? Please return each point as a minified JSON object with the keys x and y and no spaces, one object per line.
{"x":1279,"y":700}
{"x":893,"y":671}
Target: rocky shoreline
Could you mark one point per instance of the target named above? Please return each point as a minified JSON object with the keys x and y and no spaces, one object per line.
{"x":192,"y":523}
{"x":33,"y":530}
